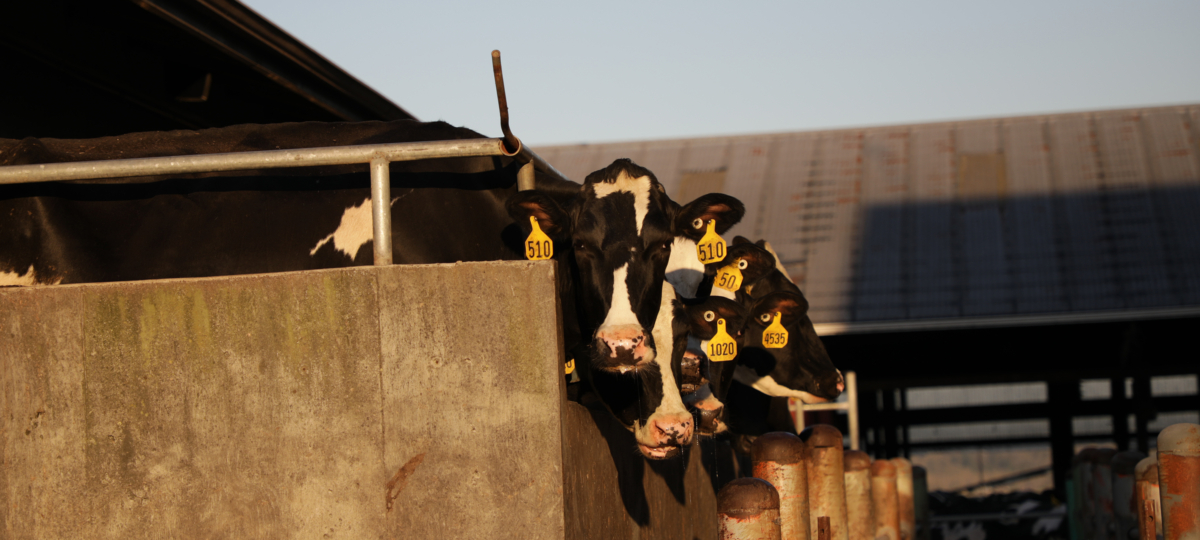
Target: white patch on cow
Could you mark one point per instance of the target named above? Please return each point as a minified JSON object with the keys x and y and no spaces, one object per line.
{"x":684,"y":269}
{"x":353,"y":232}
{"x":770,"y":387}
{"x":723,"y":293}
{"x":664,"y":340}
{"x":27,"y":279}
{"x":639,"y":187}
{"x":620,"y":310}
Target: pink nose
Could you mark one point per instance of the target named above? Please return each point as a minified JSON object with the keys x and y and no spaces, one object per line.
{"x":671,"y":430}
{"x":626,"y":343}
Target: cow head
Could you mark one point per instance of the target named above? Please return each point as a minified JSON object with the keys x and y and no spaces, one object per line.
{"x":620,"y":230}
{"x":802,"y":368}
{"x":702,"y":380}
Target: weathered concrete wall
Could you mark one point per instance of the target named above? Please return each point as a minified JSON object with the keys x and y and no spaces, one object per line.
{"x":293,"y":405}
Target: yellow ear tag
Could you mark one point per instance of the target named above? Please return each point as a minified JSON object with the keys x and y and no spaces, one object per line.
{"x":711,"y":247}
{"x":775,"y":336}
{"x":570,"y":366}
{"x":729,"y":277}
{"x":722,"y":347}
{"x":538,"y":246}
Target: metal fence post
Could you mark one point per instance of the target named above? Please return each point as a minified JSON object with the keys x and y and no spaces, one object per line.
{"x":904,"y":497}
{"x":779,"y":458}
{"x":885,"y":501}
{"x":1124,"y":511}
{"x":921,"y":502}
{"x":1102,"y":495}
{"x":860,"y":516}
{"x":1179,"y":481}
{"x":826,"y":479}
{"x":748,"y":509}
{"x":1146,"y":498}
{"x":381,"y":210}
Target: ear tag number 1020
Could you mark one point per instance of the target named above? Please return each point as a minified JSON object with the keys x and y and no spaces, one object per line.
{"x":711,"y":247}
{"x":775,"y":336}
{"x":722,"y":347}
{"x":538,"y":246}
{"x":729,"y":277}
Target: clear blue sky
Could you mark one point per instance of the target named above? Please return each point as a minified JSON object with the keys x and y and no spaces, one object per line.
{"x":610,"y":71}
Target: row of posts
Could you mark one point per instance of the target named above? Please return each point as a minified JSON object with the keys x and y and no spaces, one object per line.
{"x":809,"y":488}
{"x":1115,"y":495}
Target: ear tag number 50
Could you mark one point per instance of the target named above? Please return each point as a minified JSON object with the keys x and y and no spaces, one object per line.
{"x":729,"y":277}
{"x":722,"y":347}
{"x":538,"y":246}
{"x":711,"y":247}
{"x":775,"y":336}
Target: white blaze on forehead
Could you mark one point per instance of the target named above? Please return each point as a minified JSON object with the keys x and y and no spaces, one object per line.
{"x":620,"y":309}
{"x":684,"y":269}
{"x":769,"y":386}
{"x":26,"y":279}
{"x":639,"y":187}
{"x":664,"y":340}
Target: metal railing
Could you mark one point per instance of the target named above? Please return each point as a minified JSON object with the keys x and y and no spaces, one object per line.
{"x":797,"y":409}
{"x":378,"y":156}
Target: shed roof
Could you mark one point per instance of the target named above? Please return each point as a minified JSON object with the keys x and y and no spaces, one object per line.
{"x":1075,"y":217}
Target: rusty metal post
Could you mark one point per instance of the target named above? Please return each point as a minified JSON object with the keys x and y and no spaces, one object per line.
{"x":1102,"y":494}
{"x":1146,"y":500}
{"x":860,"y":517}
{"x":921,"y":502}
{"x":1179,"y":481}
{"x":884,"y":500}
{"x":748,"y":509}
{"x":779,"y":458}
{"x":904,"y":495}
{"x":1083,"y":519}
{"x":826,"y":479}
{"x":1124,"y":509}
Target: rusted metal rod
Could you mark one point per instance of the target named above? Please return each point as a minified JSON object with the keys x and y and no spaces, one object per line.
{"x":1146,"y":498}
{"x":779,"y":458}
{"x":860,"y":516}
{"x":1179,"y":481}
{"x":904,"y":498}
{"x":826,"y":479}
{"x":748,"y":508}
{"x":511,"y":143}
{"x":884,"y":500}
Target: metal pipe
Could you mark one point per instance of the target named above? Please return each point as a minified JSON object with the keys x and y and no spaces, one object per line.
{"x":239,"y":161}
{"x":860,"y":515}
{"x":381,"y":210}
{"x":852,"y":411}
{"x":921,"y":502}
{"x":526,"y":177}
{"x":779,"y":458}
{"x":511,"y":143}
{"x":884,"y":500}
{"x":1124,"y":507}
{"x":1179,"y":481}
{"x":1146,"y":497}
{"x":748,"y":508}
{"x":826,"y":479}
{"x":904,"y":498}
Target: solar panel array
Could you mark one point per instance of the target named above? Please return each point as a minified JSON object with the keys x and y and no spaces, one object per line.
{"x":1066,"y":213}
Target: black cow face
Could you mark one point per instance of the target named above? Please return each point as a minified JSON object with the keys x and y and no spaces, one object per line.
{"x":620,"y":229}
{"x":802,"y":368}
{"x":705,"y":382}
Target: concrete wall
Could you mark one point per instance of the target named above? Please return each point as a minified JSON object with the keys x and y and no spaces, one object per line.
{"x":395,"y":402}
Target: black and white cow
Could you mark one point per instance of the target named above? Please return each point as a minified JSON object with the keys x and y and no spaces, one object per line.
{"x":616,"y":235}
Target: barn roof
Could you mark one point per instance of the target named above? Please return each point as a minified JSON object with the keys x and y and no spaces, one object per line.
{"x":1078,"y":217}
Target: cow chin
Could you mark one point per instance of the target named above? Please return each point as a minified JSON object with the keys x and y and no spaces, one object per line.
{"x":664,"y":435}
{"x":659,"y":452}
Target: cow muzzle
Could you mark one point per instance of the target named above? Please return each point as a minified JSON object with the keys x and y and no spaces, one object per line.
{"x":622,"y":348}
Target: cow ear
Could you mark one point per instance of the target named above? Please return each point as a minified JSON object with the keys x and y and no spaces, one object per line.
{"x":691,"y":220}
{"x":551,"y":217}
{"x":788,"y":303}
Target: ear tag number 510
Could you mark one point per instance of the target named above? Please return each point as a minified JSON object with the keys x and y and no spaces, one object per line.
{"x":538,"y":246}
{"x":775,"y":336}
{"x":722,"y":347}
{"x":711,"y":247}
{"x":729,"y":277}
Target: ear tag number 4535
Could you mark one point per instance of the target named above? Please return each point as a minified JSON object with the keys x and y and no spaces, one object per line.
{"x":775,"y":336}
{"x":711,"y":247}
{"x":722,"y":347}
{"x":538,"y":246}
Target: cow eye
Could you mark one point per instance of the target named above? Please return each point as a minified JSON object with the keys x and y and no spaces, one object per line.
{"x":709,"y":316}
{"x":666,"y":246}
{"x":765,"y":317}
{"x":697,"y":223}
{"x":742,"y":264}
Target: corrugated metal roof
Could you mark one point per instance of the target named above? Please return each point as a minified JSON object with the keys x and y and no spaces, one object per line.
{"x":1076,"y":214}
